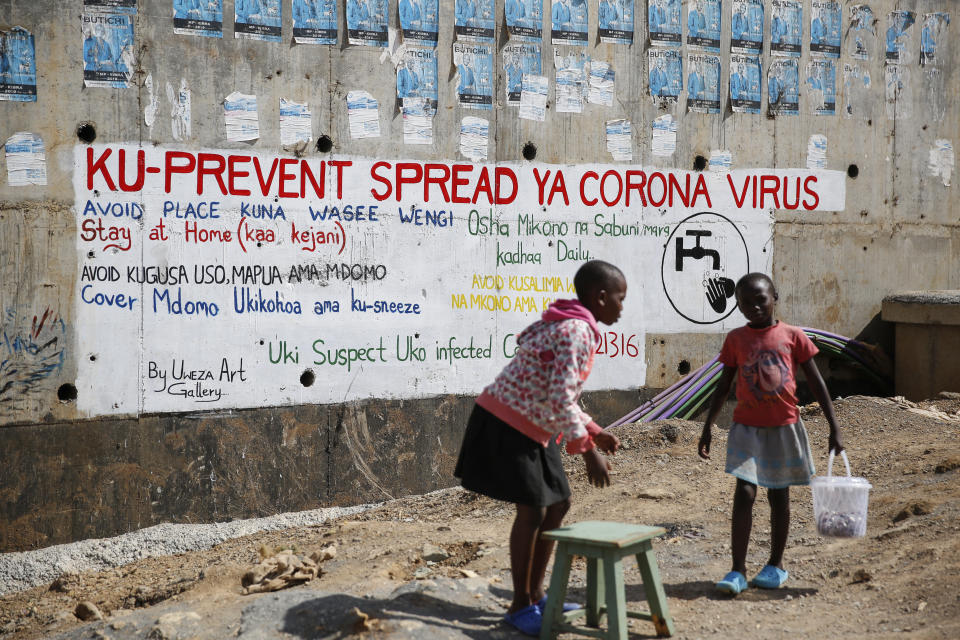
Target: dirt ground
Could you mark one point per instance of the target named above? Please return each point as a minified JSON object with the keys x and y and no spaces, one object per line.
{"x":902,"y":579}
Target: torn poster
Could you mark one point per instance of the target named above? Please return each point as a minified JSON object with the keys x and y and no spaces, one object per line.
{"x":417,"y":76}
{"x":783,"y":87}
{"x":619,"y":141}
{"x":153,"y":103}
{"x":665,"y":73}
{"x":863,"y":31}
{"x":571,"y":80}
{"x":898,"y":36}
{"x":817,"y":151}
{"x":474,"y":136}
{"x":364,"y":115}
{"x":856,"y":91}
{"x":107,"y":49}
{"x":473,"y":20}
{"x":746,"y":26}
{"x":240,"y":117}
{"x":519,"y":59}
{"x":664,"y":136}
{"x":663,"y":22}
{"x":367,"y":22}
{"x":26,"y":160}
{"x":257,"y":20}
{"x":128,"y":7}
{"x":720,"y":160}
{"x":533,"y":98}
{"x":295,"y":125}
{"x":196,"y":18}
{"x":745,"y":83}
{"x":822,"y":82}
{"x":933,"y":94}
{"x":524,"y":19}
{"x":315,"y":21}
{"x":786,"y":27}
{"x":703,"y":83}
{"x":18,"y":66}
{"x":568,"y":22}
{"x":825,"y":28}
{"x":602,"y":86}
{"x":417,"y":120}
{"x":933,"y":32}
{"x":615,"y":21}
{"x":179,"y":110}
{"x":940,"y":162}
{"x":897,"y":91}
{"x":703,"y":25}
{"x":419,"y":21}
{"x":474,"y":64}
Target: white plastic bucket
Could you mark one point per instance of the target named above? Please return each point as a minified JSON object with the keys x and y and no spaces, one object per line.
{"x":840,"y":503}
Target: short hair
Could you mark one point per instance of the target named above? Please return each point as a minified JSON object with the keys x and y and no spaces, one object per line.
{"x":752,"y":278}
{"x":595,"y":275}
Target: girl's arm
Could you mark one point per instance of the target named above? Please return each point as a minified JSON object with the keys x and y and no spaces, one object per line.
{"x":819,"y":390}
{"x":716,"y":403}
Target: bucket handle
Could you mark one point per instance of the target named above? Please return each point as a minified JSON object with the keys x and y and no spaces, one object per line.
{"x":843,"y":454}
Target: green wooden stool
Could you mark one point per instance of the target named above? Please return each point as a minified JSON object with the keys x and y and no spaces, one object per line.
{"x":604,"y":545}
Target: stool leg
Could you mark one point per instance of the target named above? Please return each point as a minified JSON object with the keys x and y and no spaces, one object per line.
{"x":616,"y":597}
{"x":595,"y":591}
{"x":556,"y":594}
{"x":656,"y":598}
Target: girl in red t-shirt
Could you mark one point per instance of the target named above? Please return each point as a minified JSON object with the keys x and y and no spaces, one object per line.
{"x":767,"y":444}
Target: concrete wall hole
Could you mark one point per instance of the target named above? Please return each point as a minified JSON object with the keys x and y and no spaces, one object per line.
{"x":324,"y":144}
{"x":683,"y":368}
{"x":307,"y":378}
{"x":67,"y":393}
{"x":853,"y":171}
{"x":86,"y":132}
{"x":529,"y":151}
{"x":699,"y":163}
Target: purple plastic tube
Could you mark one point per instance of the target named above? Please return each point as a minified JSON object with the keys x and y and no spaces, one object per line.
{"x":660,"y":396}
{"x":689,"y":394}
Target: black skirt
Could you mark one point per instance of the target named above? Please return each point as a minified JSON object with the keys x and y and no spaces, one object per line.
{"x":498,"y":461}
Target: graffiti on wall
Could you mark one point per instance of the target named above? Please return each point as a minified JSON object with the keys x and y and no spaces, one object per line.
{"x":32,"y":350}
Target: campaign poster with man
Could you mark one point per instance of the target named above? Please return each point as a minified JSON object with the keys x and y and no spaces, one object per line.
{"x":703,"y":83}
{"x":615,"y":21}
{"x":473,"y":20}
{"x":745,"y":80}
{"x":862,"y":34}
{"x":898,"y":36}
{"x":128,"y":7}
{"x":198,"y":18}
{"x":786,"y":27}
{"x":18,"y":66}
{"x":474,"y":62}
{"x":703,"y":25}
{"x":932,"y":33}
{"x":568,"y":22}
{"x":519,"y":60}
{"x":417,"y":76}
{"x":419,"y":21}
{"x":107,"y":49}
{"x":524,"y":20}
{"x":663,"y":22}
{"x":783,"y":87}
{"x":822,"y":86}
{"x":257,"y":20}
{"x":746,"y":26}
{"x":367,"y":22}
{"x":825,"y":28}
{"x":571,"y":80}
{"x":665,"y":73}
{"x":315,"y":21}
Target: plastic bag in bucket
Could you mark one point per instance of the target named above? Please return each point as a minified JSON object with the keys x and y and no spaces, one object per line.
{"x":840,"y":503}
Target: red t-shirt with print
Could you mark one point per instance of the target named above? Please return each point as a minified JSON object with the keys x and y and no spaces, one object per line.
{"x":766,"y":361}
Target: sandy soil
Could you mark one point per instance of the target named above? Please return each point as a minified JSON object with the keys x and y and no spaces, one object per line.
{"x":900,"y":580}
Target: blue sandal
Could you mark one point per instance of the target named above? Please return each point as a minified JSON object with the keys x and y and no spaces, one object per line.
{"x":527,"y":620}
{"x":567,"y":606}
{"x":733,"y":583}
{"x":770,"y":577}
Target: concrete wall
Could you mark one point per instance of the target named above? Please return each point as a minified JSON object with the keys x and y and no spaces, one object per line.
{"x":68,"y":473}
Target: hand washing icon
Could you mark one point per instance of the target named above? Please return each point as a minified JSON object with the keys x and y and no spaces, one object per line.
{"x":719,"y":290}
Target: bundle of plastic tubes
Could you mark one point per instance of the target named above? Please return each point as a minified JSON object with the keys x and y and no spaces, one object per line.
{"x":690,"y":394}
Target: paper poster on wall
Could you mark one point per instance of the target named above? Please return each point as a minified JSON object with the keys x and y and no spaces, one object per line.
{"x":107,"y":49}
{"x":825,"y":28}
{"x":664,"y":136}
{"x":932,"y":35}
{"x":295,"y":123}
{"x":619,"y":140}
{"x":862,"y":32}
{"x":817,"y":151}
{"x":665,"y":73}
{"x":568,"y":22}
{"x":474,"y":138}
{"x":257,"y":20}
{"x":474,"y":20}
{"x":533,"y":98}
{"x":419,"y":21}
{"x":571,"y":80}
{"x":26,"y":160}
{"x":822,"y":86}
{"x":786,"y":27}
{"x":519,"y":59}
{"x":703,"y":83}
{"x":128,"y":7}
{"x":745,"y":81}
{"x":367,"y":22}
{"x":418,"y":116}
{"x":179,"y":110}
{"x":18,"y":66}
{"x":364,"y":115}
{"x":703,"y":25}
{"x":315,"y":21}
{"x":897,"y":94}
{"x":602,"y":83}
{"x":196,"y":18}
{"x":417,"y":75}
{"x":663,"y":22}
{"x":615,"y":21}
{"x":240,"y":117}
{"x":897,"y":50}
{"x":856,"y":92}
{"x":746,"y":26}
{"x":783,"y":87}
{"x":474,"y":63}
{"x":524,"y":19}
{"x":720,"y":160}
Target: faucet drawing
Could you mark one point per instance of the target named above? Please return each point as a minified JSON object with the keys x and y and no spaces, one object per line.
{"x":696,"y":252}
